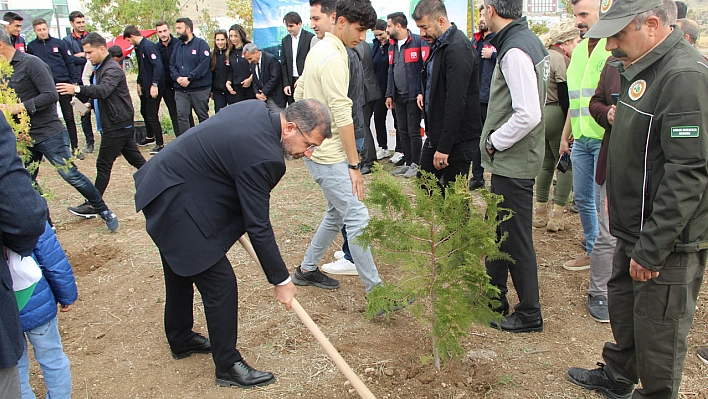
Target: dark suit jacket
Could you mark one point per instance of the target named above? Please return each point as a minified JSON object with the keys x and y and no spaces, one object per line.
{"x":23,"y":213}
{"x":210,"y":186}
{"x":269,"y":82}
{"x":303,"y":47}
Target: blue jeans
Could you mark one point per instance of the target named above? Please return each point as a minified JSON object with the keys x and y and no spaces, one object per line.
{"x":56,"y":150}
{"x":48,"y":352}
{"x":343,"y":208}
{"x":585,"y":191}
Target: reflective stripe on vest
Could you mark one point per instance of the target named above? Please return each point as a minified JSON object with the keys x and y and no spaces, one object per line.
{"x":583,"y":77}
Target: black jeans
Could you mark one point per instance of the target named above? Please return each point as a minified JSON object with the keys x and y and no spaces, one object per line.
{"x":67,"y":112}
{"x":458,"y":161}
{"x":114,"y":143}
{"x":219,"y":290}
{"x":368,"y":154}
{"x":518,"y":197}
{"x":222,"y":99}
{"x":380,"y":114}
{"x":477,"y":169}
{"x":408,"y":115}
{"x":149,"y":109}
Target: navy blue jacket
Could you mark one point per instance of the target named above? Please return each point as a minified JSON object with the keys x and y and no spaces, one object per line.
{"x":23,"y":213}
{"x":191,"y":60}
{"x":149,"y":66}
{"x":165,"y":55}
{"x":415,"y":52}
{"x":58,"y":56}
{"x":380,"y":54}
{"x":56,"y":285}
{"x":75,"y":46}
{"x":486,"y":65}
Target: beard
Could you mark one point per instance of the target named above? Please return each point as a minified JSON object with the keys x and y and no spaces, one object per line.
{"x":482,"y":27}
{"x":184,"y":37}
{"x":619,"y":53}
{"x":581,"y":27}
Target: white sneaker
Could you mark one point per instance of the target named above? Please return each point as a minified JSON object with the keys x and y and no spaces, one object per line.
{"x":340,"y":266}
{"x":339,"y":255}
{"x":402,"y":170}
{"x":396,"y":157}
{"x":411,"y":172}
{"x":382,"y":153}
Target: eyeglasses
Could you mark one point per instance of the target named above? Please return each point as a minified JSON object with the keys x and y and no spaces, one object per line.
{"x":310,"y":146}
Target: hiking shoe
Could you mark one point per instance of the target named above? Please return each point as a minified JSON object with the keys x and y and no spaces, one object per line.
{"x":597,"y":380}
{"x":316,"y":278}
{"x":88,"y":149}
{"x":581,"y":263}
{"x":84,"y":210}
{"x":156,"y":149}
{"x":340,"y":266}
{"x":397,"y":156}
{"x":111,"y":220}
{"x":382,"y":153}
{"x":339,"y":255}
{"x":597,"y":307}
{"x":703,"y":354}
{"x":400,"y":171}
{"x":411,"y":172}
{"x":146,"y":141}
{"x":540,"y":217}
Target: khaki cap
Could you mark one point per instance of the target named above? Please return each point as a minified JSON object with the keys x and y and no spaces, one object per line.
{"x":615,"y":15}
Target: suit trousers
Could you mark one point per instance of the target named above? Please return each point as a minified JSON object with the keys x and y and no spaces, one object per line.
{"x":114,"y":143}
{"x":368,"y":155}
{"x":67,"y":112}
{"x":650,"y":321}
{"x":518,"y":197}
{"x":149,"y":109}
{"x":219,"y":290}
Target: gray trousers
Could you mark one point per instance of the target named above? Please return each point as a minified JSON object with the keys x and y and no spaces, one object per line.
{"x":186,"y":101}
{"x":650,"y":321}
{"x":273,"y":107}
{"x":602,"y":252}
{"x":10,"y":383}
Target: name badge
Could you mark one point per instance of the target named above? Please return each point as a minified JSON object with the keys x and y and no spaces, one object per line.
{"x":55,"y":49}
{"x":684,"y":131}
{"x":194,"y":51}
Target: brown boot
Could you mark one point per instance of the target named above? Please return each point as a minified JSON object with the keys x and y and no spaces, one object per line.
{"x":555,"y":221}
{"x":540,"y":215}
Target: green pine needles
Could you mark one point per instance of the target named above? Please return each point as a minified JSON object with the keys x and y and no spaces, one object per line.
{"x":440,"y":242}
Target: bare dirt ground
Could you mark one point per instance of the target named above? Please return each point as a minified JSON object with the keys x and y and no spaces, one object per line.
{"x":115,"y":340}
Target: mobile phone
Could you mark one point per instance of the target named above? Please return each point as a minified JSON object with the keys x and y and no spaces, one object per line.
{"x":615,"y":98}
{"x":563,"y":163}
{"x":78,"y":105}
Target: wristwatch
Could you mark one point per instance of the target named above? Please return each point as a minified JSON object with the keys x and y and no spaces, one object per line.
{"x":489,"y":146}
{"x":355,"y":167}
{"x":77,"y":89}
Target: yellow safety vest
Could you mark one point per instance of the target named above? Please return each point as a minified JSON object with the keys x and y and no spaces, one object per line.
{"x":583,"y":76}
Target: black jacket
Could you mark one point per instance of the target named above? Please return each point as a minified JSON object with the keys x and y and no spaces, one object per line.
{"x":165,"y":55}
{"x":23,"y":213}
{"x":58,"y":56}
{"x":453,"y":111}
{"x":221,"y":72}
{"x":380,"y":55}
{"x":111,"y":90}
{"x":269,"y":82}
{"x":211,"y":185}
{"x":303,"y":47}
{"x":240,"y":68}
{"x":191,"y":60}
{"x":150,"y":70}
{"x":486,"y":65}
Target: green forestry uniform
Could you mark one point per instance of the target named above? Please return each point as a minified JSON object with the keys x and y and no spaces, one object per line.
{"x":657,"y":178}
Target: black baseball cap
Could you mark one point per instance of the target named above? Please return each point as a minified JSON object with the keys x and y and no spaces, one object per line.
{"x":616,"y":14}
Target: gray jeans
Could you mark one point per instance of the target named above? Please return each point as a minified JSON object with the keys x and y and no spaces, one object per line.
{"x":343,"y":208}
{"x":602,"y":252}
{"x":10,"y":383}
{"x":186,"y":101}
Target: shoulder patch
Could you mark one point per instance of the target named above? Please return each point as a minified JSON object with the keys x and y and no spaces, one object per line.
{"x":605,"y":6}
{"x":637,"y":89}
{"x":153,"y":56}
{"x":685,"y":131}
{"x":206,"y":52}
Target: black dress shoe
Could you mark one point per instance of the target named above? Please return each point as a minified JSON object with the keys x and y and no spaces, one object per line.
{"x":514,"y":324}
{"x":198,"y":344}
{"x":475,"y":184}
{"x":244,"y":376}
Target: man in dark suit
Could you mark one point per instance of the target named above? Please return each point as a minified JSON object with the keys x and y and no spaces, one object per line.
{"x":204,"y":191}
{"x":296,"y":44}
{"x":267,"y":83}
{"x":23,"y":213}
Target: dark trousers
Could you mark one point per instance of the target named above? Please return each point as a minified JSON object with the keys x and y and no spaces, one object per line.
{"x":198,"y":100}
{"x":477,"y":169}
{"x":86,"y":125}
{"x":219,"y":290}
{"x":149,"y":109}
{"x":408,"y":116}
{"x":650,"y":321}
{"x":518,"y":197}
{"x":222,"y":99}
{"x":67,"y":112}
{"x":56,"y":150}
{"x":458,"y":161}
{"x":114,"y":143}
{"x":169,"y":96}
{"x":291,"y":99}
{"x":242,"y":93}
{"x":380,"y":114}
{"x":368,"y":155}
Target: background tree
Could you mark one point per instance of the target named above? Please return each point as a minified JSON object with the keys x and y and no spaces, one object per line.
{"x":207,"y":27}
{"x":113,"y":15}
{"x":441,"y":243}
{"x":242,"y":11}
